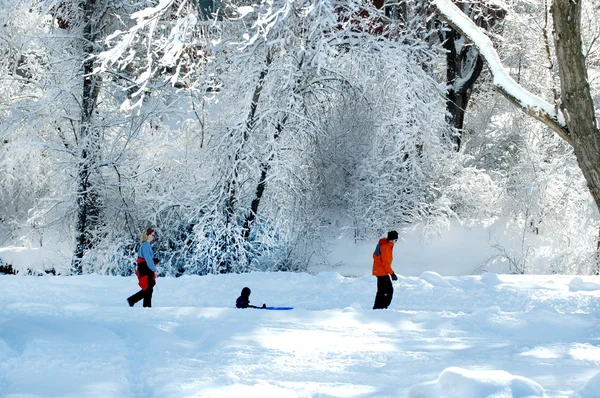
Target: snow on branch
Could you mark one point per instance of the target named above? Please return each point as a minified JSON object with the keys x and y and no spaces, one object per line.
{"x":506,"y":85}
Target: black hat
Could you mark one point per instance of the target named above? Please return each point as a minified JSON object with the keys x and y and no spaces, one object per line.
{"x":246,"y":292}
{"x":392,"y":235}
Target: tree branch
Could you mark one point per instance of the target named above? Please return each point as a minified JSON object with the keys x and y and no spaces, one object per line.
{"x":506,"y":85}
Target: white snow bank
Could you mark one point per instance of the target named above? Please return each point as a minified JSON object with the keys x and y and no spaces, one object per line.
{"x":464,"y":383}
{"x":590,"y":390}
{"x":434,"y":278}
{"x":489,"y":278}
{"x":578,"y":284}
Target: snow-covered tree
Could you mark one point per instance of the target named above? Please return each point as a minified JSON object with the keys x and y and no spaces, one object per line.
{"x":520,"y":62}
{"x":68,"y":141}
{"x":276,"y":71}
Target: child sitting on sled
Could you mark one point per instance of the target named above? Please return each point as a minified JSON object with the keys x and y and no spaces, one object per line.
{"x":244,"y":300}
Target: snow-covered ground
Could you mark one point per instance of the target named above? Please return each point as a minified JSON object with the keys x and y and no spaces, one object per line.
{"x":469,"y":336}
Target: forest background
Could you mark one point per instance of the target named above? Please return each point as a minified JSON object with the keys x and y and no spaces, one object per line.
{"x":285,"y":135}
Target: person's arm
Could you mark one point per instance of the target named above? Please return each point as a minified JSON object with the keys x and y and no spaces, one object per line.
{"x":148,"y":255}
{"x":386,"y":259}
{"x":254,"y":306}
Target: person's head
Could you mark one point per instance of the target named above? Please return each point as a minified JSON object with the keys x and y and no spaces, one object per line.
{"x":246,"y":292}
{"x":392,"y":236}
{"x":148,"y":235}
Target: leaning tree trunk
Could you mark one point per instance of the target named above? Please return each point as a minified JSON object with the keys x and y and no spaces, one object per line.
{"x":87,"y":206}
{"x":250,"y":124}
{"x":262,"y":183}
{"x":265,"y":166}
{"x":232,"y":184}
{"x":577,"y":103}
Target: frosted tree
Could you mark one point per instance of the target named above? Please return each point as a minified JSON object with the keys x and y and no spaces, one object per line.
{"x":264,"y":192}
{"x":36,"y":64}
{"x":88,"y":209}
{"x":69,"y":168}
{"x":223,"y":222}
{"x":571,"y":115}
{"x":463,"y":64}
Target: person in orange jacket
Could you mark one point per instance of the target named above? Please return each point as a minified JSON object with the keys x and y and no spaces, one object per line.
{"x":382,"y":269}
{"x":145,"y":271}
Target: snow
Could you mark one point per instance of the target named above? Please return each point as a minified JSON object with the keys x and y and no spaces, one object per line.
{"x":244,"y":10}
{"x":434,"y":278}
{"x":578,"y":284}
{"x":443,"y":336}
{"x":591,"y":389}
{"x":151,"y":11}
{"x":459,"y":250}
{"x":457,"y":382}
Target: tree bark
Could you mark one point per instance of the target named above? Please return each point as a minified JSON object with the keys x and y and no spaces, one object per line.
{"x":262,"y":183}
{"x":462,"y":70}
{"x":231,"y":188}
{"x":87,"y":197}
{"x":265,"y":166}
{"x":250,"y":123}
{"x":577,"y":103}
{"x":463,"y":62}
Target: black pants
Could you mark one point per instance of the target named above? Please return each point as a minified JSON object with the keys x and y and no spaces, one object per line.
{"x":385,"y":291}
{"x":146,"y":295}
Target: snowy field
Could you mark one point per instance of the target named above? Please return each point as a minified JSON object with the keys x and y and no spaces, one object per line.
{"x":470,"y":336}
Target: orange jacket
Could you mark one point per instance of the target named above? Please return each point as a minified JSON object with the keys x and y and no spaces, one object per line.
{"x":382,"y":258}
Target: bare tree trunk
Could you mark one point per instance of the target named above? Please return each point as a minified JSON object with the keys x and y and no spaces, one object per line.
{"x":463,"y":62}
{"x":231,"y":188}
{"x":266,"y":165}
{"x":250,"y":124}
{"x":87,"y":197}
{"x":462,"y":70}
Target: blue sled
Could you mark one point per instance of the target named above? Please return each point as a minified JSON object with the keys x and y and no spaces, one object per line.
{"x":278,"y":308}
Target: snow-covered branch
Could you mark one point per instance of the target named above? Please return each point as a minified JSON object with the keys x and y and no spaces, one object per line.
{"x":502,"y":81}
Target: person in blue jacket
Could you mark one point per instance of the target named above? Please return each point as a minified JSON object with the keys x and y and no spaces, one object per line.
{"x":145,"y":271}
{"x":244,"y":300}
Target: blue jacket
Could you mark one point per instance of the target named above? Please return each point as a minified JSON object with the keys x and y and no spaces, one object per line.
{"x":147,"y":254}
